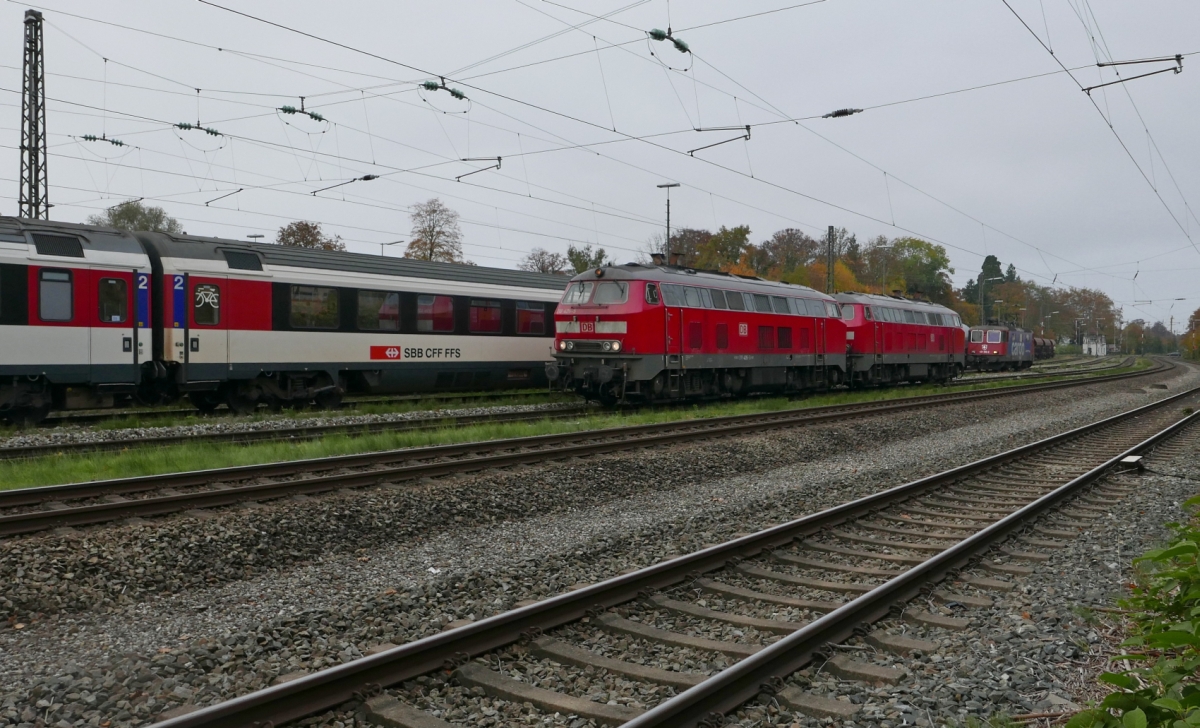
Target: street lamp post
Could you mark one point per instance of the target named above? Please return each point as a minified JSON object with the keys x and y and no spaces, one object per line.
{"x":886,"y":248}
{"x":982,"y":281}
{"x":668,"y":187}
{"x":394,"y":242}
{"x":1044,"y":322}
{"x":1022,"y":310}
{"x":999,"y":316}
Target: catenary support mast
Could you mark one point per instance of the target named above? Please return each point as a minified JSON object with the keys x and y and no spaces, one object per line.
{"x":35,"y":186}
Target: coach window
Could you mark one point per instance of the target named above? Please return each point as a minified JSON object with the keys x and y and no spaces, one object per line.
{"x":55,"y":302}
{"x":994,"y":337}
{"x":692,"y":296}
{"x":436,"y":313}
{"x":612,"y":292}
{"x":314,"y":307}
{"x":718,"y":298}
{"x":735,"y":300}
{"x":485,"y":317}
{"x":531,"y":318}
{"x":651,"y":294}
{"x":114,"y":300}
{"x":378,"y":311}
{"x":206,"y":304}
{"x":779,"y":303}
{"x":577,"y":294}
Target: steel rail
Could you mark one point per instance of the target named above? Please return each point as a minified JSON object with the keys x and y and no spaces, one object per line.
{"x":504,"y":453}
{"x":297,"y":433}
{"x":365,"y":676}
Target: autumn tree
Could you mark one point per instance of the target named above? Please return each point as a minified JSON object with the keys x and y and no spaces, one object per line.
{"x":132,"y":215}
{"x":435,"y":233}
{"x":584,"y":258}
{"x":723,"y":248}
{"x":541,"y":260}
{"x":789,"y":250}
{"x":304,"y":234}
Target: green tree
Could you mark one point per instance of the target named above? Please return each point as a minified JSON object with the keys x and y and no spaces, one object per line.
{"x":924,"y":267}
{"x":1010,"y":274}
{"x":584,"y":258}
{"x":136,"y":217}
{"x":304,"y":234}
{"x":724,"y":248}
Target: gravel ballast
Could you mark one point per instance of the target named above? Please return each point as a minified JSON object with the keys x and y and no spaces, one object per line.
{"x":304,"y":585}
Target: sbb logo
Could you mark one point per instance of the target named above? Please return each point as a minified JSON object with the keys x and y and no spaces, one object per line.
{"x":386,"y":352}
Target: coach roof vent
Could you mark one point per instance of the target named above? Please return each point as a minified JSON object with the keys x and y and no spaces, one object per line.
{"x":58,"y":245}
{"x":241,"y":260}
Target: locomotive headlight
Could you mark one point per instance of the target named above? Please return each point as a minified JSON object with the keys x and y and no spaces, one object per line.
{"x":616,"y":346}
{"x":607,"y":346}
{"x":562,"y":344}
{"x":568,"y":345}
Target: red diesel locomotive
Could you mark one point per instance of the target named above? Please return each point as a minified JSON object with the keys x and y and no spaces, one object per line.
{"x":894,"y":340}
{"x":653,"y":332}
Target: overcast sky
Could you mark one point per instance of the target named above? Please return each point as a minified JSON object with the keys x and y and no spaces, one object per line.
{"x":1028,"y":171}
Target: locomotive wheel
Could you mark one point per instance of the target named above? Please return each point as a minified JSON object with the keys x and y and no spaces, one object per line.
{"x":328,"y":400}
{"x":206,"y":402}
{"x":239,"y":403}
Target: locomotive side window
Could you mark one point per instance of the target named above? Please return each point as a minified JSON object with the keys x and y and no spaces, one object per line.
{"x":485,"y":317}
{"x":672,"y":294}
{"x":735,"y":300}
{"x":766,"y":337}
{"x":531,"y":317}
{"x":705,"y":297}
{"x":436,"y":313}
{"x":867,"y":313}
{"x":831,"y":309}
{"x":815,"y":308}
{"x":994,"y":337}
{"x":313,"y":307}
{"x":976,"y":337}
{"x":762,"y":303}
{"x":55,"y":302}
{"x":577,"y":293}
{"x":692,"y":296}
{"x":779,"y":303}
{"x":785,"y":337}
{"x":114,"y":300}
{"x":611,"y":292}
{"x":909,"y":317}
{"x":718,"y":298}
{"x":652,"y":294}
{"x":206,"y":304}
{"x":848,"y":311}
{"x":378,"y":311}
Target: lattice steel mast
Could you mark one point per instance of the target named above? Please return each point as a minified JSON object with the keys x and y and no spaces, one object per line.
{"x":35,"y":186}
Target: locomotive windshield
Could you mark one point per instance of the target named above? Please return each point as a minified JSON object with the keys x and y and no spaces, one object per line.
{"x":611,"y":292}
{"x":976,"y":337}
{"x":578,"y":293}
{"x":995,"y":337}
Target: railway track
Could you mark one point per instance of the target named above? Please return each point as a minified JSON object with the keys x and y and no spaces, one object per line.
{"x":702,"y":634}
{"x":29,"y":510}
{"x":310,"y":432}
{"x":483,"y":398}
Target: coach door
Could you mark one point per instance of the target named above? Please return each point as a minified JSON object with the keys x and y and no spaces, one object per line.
{"x":114,"y":331}
{"x":208,"y":327}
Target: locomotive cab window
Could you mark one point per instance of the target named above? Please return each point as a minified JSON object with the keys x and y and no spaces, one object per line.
{"x":848,"y":311}
{"x":611,"y":292}
{"x":815,"y":308}
{"x":976,"y":337}
{"x":995,"y":337}
{"x":651,"y":294}
{"x":314,"y":307}
{"x":206,"y":304}
{"x":378,"y":311}
{"x":436,"y":313}
{"x":578,"y":293}
{"x":672,"y":294}
{"x":531,"y":317}
{"x":867,"y":313}
{"x":114,"y":300}
{"x":55,"y":300}
{"x":485,"y":317}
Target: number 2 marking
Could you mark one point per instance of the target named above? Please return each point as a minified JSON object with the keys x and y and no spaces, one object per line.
{"x":179,"y":283}
{"x":142,"y":281}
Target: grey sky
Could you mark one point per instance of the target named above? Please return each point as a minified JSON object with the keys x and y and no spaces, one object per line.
{"x":1032,"y":160}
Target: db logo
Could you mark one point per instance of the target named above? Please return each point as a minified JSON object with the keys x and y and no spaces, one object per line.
{"x":386,"y":352}
{"x":587,"y":327}
{"x":743,"y":329}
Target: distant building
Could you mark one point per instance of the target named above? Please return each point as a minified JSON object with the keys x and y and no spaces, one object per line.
{"x":1095,"y":345}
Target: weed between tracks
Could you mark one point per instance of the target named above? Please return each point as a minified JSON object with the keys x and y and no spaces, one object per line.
{"x":58,"y":469}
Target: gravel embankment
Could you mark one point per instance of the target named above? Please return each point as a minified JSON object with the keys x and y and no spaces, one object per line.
{"x":138,"y":619}
{"x":72,"y":434}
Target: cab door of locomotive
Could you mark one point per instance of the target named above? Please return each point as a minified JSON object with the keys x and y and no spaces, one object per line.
{"x":672,"y":324}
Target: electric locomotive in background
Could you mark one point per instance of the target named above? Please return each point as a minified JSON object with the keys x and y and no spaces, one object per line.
{"x":92,"y":316}
{"x":658,"y":332}
{"x":995,"y":348}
